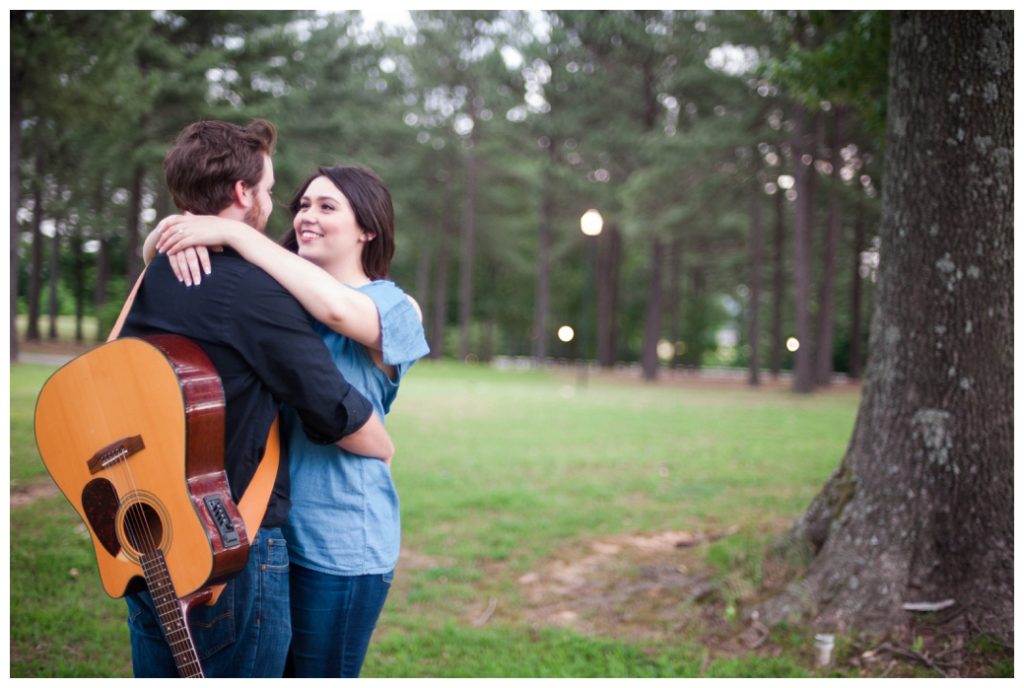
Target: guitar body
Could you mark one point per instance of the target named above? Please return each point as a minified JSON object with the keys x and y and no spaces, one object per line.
{"x":132,"y":432}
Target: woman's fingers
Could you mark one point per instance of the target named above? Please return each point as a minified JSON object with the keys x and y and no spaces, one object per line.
{"x":190,"y":264}
{"x":192,"y":260}
{"x":180,"y":268}
{"x":204,"y":259}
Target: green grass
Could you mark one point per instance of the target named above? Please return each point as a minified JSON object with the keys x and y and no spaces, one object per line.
{"x":499,"y":473}
{"x":62,"y":622}
{"x":26,"y":380}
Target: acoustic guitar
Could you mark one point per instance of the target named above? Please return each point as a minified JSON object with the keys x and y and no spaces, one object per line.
{"x":133,"y":434}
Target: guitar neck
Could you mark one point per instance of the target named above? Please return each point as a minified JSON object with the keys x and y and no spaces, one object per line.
{"x":172,"y":614}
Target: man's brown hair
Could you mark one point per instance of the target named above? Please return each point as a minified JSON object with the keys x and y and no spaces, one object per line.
{"x":208,"y":157}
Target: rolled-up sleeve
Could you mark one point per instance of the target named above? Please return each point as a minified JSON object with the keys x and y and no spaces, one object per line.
{"x":403,"y":340}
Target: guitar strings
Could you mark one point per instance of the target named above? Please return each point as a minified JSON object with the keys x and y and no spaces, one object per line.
{"x":136,"y":518}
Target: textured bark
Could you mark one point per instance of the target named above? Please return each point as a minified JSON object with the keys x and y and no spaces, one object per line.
{"x":778,"y":282}
{"x":826,"y":307}
{"x":754,"y":378}
{"x":803,"y":174}
{"x":921,"y":507}
{"x":652,"y":317}
{"x":609,"y":264}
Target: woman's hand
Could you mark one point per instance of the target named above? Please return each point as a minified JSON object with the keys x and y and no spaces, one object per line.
{"x":185,"y":238}
{"x":190,"y":264}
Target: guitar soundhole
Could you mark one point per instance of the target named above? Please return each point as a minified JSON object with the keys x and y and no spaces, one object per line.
{"x":143,"y":527}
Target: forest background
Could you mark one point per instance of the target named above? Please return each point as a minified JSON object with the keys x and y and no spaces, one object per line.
{"x":692,"y":133}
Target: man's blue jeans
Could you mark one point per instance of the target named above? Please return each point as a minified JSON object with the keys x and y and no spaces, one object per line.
{"x":246,"y":634}
{"x":333,"y":618}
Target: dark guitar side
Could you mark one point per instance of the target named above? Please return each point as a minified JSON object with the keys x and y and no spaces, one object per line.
{"x":204,"y":466}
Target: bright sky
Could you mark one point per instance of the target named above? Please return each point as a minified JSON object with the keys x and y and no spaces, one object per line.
{"x":386,"y":16}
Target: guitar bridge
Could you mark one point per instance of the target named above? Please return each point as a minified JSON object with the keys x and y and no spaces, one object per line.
{"x":228,"y":534}
{"x":115,"y":452}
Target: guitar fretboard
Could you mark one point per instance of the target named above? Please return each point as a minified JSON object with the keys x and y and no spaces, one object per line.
{"x":172,"y":617}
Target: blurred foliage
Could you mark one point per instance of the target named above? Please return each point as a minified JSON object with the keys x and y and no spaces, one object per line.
{"x":667,"y":121}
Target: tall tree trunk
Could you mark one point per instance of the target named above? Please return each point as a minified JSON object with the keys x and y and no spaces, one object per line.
{"x":826,"y":300}
{"x":15,"y":198}
{"x":754,"y":378}
{"x":163,"y":204}
{"x":54,"y":309}
{"x":35,"y":277}
{"x":425,"y":260}
{"x":78,"y":286}
{"x":133,"y":258}
{"x":674,"y":294}
{"x":652,"y":318}
{"x":424,"y":264}
{"x":698,"y":305}
{"x":441,"y":280}
{"x":609,"y":265}
{"x":778,"y":282}
{"x":102,"y":282}
{"x":855,"y":298}
{"x":921,"y":507}
{"x":803,"y":174}
{"x":541,"y":305}
{"x":490,"y":335}
{"x":102,"y":262}
{"x":468,"y":251}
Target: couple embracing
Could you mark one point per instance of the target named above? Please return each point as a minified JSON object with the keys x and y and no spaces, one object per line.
{"x":310,"y":329}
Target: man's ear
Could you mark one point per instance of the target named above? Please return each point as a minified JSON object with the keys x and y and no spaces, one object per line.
{"x":242,"y":194}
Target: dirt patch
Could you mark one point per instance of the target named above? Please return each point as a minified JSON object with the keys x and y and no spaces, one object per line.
{"x":411,"y":559}
{"x":654,"y":588}
{"x":26,"y":494}
{"x":631,"y":586}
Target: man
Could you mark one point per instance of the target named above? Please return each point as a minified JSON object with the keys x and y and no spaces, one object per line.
{"x":263,"y":346}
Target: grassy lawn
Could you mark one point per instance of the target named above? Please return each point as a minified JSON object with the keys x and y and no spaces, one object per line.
{"x":503,"y":476}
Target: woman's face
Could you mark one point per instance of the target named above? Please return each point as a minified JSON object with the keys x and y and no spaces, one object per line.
{"x":325,"y":225}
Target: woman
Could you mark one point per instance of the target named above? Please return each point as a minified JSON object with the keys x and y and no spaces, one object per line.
{"x":343,"y":528}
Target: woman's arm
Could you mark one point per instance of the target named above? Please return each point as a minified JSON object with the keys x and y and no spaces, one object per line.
{"x":343,"y":309}
{"x":370,"y":440}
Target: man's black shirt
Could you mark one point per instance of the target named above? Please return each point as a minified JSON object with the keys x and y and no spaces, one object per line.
{"x":261,"y":342}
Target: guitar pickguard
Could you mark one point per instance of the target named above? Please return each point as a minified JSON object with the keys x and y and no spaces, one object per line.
{"x":100,"y":502}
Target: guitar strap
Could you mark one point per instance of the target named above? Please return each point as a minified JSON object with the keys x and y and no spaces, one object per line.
{"x":253,"y":504}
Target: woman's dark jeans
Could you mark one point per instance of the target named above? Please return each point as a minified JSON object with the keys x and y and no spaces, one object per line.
{"x":333,"y":618}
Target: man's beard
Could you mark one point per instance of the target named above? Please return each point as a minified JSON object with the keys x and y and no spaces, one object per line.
{"x":252,"y":218}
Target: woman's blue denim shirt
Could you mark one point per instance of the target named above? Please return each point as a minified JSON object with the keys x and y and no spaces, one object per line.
{"x":344,"y":518}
